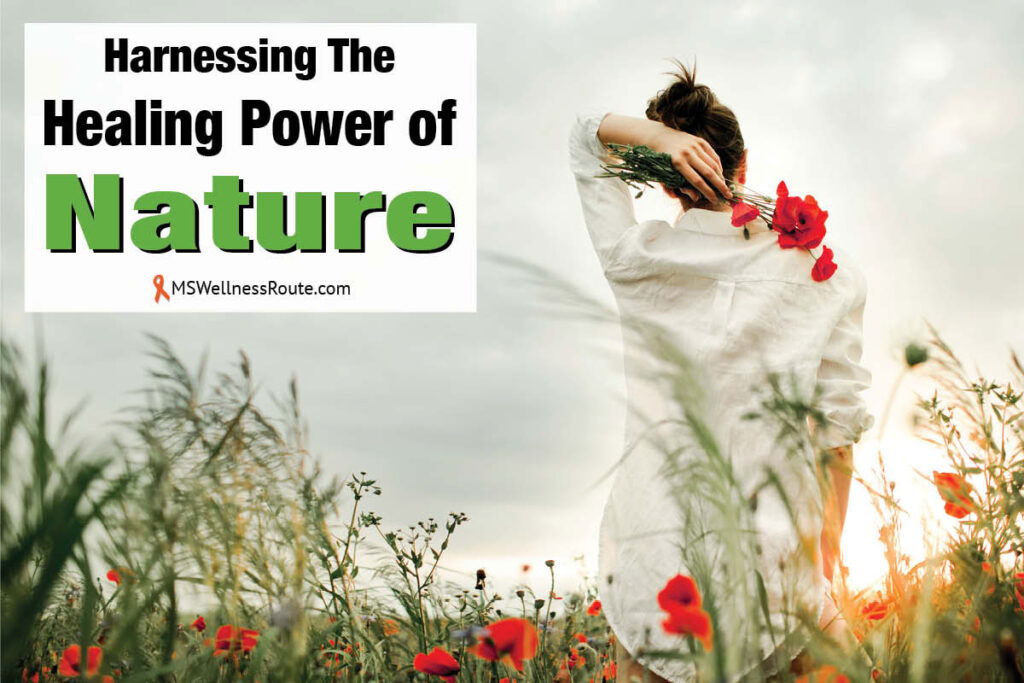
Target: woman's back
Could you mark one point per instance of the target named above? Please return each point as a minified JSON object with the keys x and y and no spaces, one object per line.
{"x":736,"y":310}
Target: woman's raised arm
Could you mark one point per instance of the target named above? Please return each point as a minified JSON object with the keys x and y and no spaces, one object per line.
{"x":692,"y":156}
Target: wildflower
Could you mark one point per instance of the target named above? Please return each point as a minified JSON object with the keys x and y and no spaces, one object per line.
{"x":595,"y":608}
{"x":799,"y":222}
{"x":438,"y":663}
{"x":199,"y":624}
{"x":1018,"y":588}
{"x":824,"y":266}
{"x":956,"y":492}
{"x":681,"y":600}
{"x":826,"y":674}
{"x":743,"y":214}
{"x":680,"y":591}
{"x":114,"y":576}
{"x":875,"y":610}
{"x":71,"y":663}
{"x":609,"y":672}
{"x":231,"y":639}
{"x":509,"y":640}
{"x":783,"y":216}
{"x":25,"y":677}
{"x":389,"y":627}
{"x":574,"y":659}
{"x":689,"y":622}
{"x":580,"y":637}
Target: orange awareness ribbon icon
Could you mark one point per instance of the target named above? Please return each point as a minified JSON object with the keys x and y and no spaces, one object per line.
{"x":158,"y":282}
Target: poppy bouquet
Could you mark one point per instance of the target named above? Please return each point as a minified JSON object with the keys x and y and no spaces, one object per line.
{"x":799,"y":221}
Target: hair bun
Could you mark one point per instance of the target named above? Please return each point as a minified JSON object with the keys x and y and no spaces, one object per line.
{"x":685,"y":104}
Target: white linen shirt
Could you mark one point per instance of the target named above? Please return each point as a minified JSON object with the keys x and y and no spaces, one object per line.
{"x":737,"y":308}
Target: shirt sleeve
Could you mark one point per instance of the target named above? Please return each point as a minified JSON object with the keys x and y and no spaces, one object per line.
{"x":607,"y":202}
{"x":842,"y":379}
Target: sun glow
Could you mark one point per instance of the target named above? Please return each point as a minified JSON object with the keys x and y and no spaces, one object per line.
{"x":909,"y":462}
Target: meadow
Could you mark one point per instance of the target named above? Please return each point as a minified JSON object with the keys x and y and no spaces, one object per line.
{"x":208,"y":495}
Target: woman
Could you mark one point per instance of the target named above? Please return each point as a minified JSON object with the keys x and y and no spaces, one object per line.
{"x":738,"y":309}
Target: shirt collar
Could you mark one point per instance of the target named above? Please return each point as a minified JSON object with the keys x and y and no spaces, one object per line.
{"x":715,"y":222}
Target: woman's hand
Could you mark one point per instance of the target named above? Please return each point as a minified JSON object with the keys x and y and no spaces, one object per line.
{"x":695,"y":159}
{"x":692,"y":156}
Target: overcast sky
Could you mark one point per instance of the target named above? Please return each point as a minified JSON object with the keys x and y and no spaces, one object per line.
{"x":901,"y":118}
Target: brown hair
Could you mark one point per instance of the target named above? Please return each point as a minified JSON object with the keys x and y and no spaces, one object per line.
{"x":693,"y":108}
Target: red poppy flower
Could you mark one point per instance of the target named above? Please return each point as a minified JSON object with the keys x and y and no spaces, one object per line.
{"x":25,"y":677}
{"x":956,"y":492}
{"x":743,"y":214}
{"x":199,"y":624}
{"x":681,"y":599}
{"x":875,"y":610}
{"x":808,"y":224}
{"x":595,"y":608}
{"x":509,"y":641}
{"x":575,"y":659}
{"x":784,"y":217}
{"x":71,"y":661}
{"x":800,"y":222}
{"x":580,"y":637}
{"x":114,"y":576}
{"x":231,"y":639}
{"x":689,"y":622}
{"x":438,"y":663}
{"x":680,"y":591}
{"x":609,"y":671}
{"x":824,"y":266}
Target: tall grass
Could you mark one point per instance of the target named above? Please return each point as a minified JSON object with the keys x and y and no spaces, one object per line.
{"x":207,"y":503}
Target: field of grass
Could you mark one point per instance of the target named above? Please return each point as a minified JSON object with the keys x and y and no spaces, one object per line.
{"x":210,"y":497}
